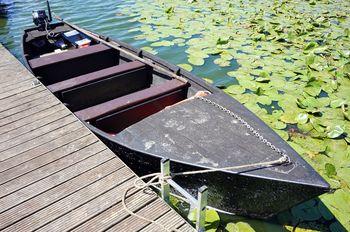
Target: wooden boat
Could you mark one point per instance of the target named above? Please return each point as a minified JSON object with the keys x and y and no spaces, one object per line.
{"x":144,"y":108}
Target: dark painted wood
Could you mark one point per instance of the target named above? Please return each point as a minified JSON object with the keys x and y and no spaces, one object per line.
{"x":94,"y":76}
{"x":133,"y":99}
{"x":72,"y":63}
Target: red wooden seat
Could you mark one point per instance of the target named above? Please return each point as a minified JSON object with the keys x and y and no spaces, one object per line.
{"x":72,"y":63}
{"x":103,"y":85}
{"x":95,"y":76}
{"x":163,"y":94}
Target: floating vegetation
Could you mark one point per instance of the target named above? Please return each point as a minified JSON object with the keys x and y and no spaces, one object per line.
{"x":293,"y":71}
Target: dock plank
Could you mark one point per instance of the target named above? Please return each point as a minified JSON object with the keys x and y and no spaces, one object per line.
{"x":58,"y":192}
{"x":55,"y":174}
{"x":46,"y":148}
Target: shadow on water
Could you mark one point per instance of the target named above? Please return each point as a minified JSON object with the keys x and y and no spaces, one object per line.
{"x":5,"y":6}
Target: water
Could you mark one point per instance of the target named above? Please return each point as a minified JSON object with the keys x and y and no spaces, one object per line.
{"x":99,"y":16}
{"x":103,"y":17}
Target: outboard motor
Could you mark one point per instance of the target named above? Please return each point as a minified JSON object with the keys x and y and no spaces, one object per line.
{"x":40,"y":18}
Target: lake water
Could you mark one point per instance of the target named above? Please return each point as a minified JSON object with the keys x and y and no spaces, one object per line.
{"x":104,"y":17}
{"x":99,"y":16}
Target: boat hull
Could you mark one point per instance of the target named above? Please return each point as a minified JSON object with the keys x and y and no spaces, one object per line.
{"x":233,"y":193}
{"x":259,"y":193}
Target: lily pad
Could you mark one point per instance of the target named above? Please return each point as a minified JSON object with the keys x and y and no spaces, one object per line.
{"x":186,"y":67}
{"x":335,"y":131}
{"x":196,"y":60}
{"x":162,"y":43}
{"x":302,"y":118}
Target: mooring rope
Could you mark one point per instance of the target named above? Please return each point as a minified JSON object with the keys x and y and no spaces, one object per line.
{"x":158,"y":178}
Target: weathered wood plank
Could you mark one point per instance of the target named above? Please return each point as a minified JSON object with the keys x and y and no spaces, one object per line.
{"x":186,"y":228}
{"x":169,"y":220}
{"x":43,"y":149}
{"x":27,"y":120}
{"x":151,"y":211}
{"x":13,"y":72}
{"x":116,"y":213}
{"x":6,"y":104}
{"x":16,"y":91}
{"x":27,"y":113}
{"x":58,"y":192}
{"x":40,"y":173}
{"x":27,"y":106}
{"x":121,"y":179}
{"x":53,"y":180}
{"x":22,"y":95}
{"x":30,"y":143}
{"x":43,"y":160}
{"x":79,"y":215}
{"x":35,"y":125}
{"x":16,"y":85}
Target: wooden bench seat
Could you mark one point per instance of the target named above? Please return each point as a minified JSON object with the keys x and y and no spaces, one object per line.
{"x":94,"y":76}
{"x":135,"y":106}
{"x":62,"y":66}
{"x":103,"y":85}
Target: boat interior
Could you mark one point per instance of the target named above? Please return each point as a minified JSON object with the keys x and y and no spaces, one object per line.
{"x":102,"y":85}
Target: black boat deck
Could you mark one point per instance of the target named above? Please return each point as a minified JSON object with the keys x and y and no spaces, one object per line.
{"x":55,"y":175}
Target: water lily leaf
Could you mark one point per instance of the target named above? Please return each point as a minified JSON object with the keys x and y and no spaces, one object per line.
{"x":221,"y":41}
{"x":279,"y":125}
{"x":150,"y":50}
{"x":345,"y":110}
{"x":221,"y":62}
{"x":302,"y":118}
{"x":337,"y":103}
{"x":330,"y":170}
{"x":196,"y":60}
{"x":313,"y":90}
{"x":284,"y":135}
{"x":317,"y":125}
{"x":244,"y":227}
{"x":310,"y":46}
{"x":212,"y":219}
{"x":265,"y":100}
{"x":346,"y":68}
{"x":231,"y":227}
{"x":235,"y":89}
{"x":334,"y":131}
{"x":309,"y":60}
{"x":164,"y":43}
{"x":186,"y":67}
{"x":289,"y":117}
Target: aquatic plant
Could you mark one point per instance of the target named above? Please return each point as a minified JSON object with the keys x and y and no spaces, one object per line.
{"x":288,"y":62}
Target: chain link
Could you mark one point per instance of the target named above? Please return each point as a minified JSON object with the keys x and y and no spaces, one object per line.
{"x":249,"y":127}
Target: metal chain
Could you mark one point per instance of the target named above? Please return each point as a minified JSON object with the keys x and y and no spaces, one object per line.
{"x":249,"y":127}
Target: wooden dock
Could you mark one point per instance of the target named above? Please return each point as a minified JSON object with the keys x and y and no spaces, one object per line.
{"x":55,"y":175}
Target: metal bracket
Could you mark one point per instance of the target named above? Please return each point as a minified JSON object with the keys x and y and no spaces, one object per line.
{"x":200,"y":203}
{"x":165,"y":187}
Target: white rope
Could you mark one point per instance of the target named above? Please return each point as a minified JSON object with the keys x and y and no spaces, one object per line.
{"x":281,"y":160}
{"x":157,"y":178}
{"x":140,"y":185}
